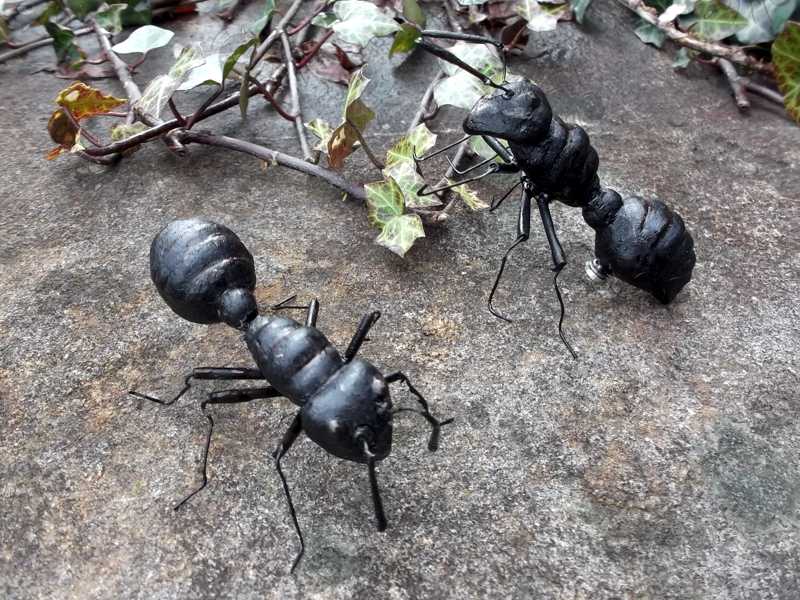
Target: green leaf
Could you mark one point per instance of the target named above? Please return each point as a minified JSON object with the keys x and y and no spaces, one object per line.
{"x":579,"y":8}
{"x":418,"y":141}
{"x":360,"y":21}
{"x":323,"y":130}
{"x":682,"y":59}
{"x":355,"y":111}
{"x":469,"y":197}
{"x":405,"y":40}
{"x":676,"y":9}
{"x":413,"y":12}
{"x":400,"y":233}
{"x":766,"y":18}
{"x":786,"y":58}
{"x":110,"y":18}
{"x":124,"y":131}
{"x":81,"y":8}
{"x":650,"y":34}
{"x":714,"y":21}
{"x":260,"y":23}
{"x":50,"y":11}
{"x":143,"y":40}
{"x":67,"y":51}
{"x":384,"y":201}
{"x":137,"y":13}
{"x":231,"y":61}
{"x":404,"y":173}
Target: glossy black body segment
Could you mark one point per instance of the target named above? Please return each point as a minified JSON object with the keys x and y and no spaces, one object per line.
{"x":206,"y":275}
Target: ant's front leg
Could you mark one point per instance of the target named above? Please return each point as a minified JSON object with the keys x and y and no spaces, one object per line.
{"x":234,"y":396}
{"x":205,"y":373}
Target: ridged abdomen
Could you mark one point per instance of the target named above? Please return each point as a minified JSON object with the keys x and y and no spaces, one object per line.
{"x":296,"y":360}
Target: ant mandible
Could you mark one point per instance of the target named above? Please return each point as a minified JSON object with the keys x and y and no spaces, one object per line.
{"x":205,"y":274}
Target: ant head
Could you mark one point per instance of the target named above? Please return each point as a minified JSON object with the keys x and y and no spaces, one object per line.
{"x":204,"y":272}
{"x":354,"y":423}
{"x":519,"y":114}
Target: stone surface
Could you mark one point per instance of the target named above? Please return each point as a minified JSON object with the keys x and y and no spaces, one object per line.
{"x":665,"y":463}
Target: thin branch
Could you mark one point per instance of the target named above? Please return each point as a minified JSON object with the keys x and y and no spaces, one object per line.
{"x":732,"y":53}
{"x":21,"y":7}
{"x":314,"y":49}
{"x":764,"y":92}
{"x":167,"y":126}
{"x":38,"y":43}
{"x":295,"y":96}
{"x":121,"y":69}
{"x":270,"y":98}
{"x":307,"y":19}
{"x":264,"y":46}
{"x":421,"y":117}
{"x":274,"y":157}
{"x":736,"y":83}
{"x":201,"y":109}
{"x":176,"y":112}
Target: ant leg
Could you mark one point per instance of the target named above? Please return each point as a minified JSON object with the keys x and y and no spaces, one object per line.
{"x":225,"y":397}
{"x":288,"y":439}
{"x":436,"y":425}
{"x":367,"y":321}
{"x":424,"y":191}
{"x":377,"y":501}
{"x":312,"y":310}
{"x":205,"y":373}
{"x":523,"y":233}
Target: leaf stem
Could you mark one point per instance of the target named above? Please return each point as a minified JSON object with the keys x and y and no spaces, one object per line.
{"x":373,"y":159}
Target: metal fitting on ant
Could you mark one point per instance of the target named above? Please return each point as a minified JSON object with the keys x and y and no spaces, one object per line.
{"x":596,"y":271}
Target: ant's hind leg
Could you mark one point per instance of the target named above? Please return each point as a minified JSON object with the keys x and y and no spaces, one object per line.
{"x":367,"y":321}
{"x":225,"y":397}
{"x":205,"y":373}
{"x":289,"y":438}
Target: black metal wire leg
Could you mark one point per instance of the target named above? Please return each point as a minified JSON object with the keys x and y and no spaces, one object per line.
{"x":367,"y":321}
{"x":225,"y":397}
{"x":205,"y":373}
{"x":436,"y":425}
{"x":289,"y":438}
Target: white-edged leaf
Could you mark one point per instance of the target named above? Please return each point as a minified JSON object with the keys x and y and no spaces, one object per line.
{"x":209,"y":71}
{"x":766,"y":18}
{"x":537,"y":17}
{"x":400,"y":233}
{"x":143,"y":40}
{"x":160,"y":90}
{"x":359,"y":21}
{"x":676,"y":9}
{"x":404,"y":173}
{"x":418,"y":141}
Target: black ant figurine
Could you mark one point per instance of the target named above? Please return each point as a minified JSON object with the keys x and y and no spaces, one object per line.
{"x":206,"y":275}
{"x":642,"y":242}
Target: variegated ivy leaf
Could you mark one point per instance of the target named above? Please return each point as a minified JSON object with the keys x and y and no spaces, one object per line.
{"x":650,"y":34}
{"x":766,"y":18}
{"x":676,"y":9}
{"x":323,"y":130}
{"x":469,"y":197}
{"x":712,"y":20}
{"x":208,"y":71}
{"x":359,"y":21}
{"x":786,"y":57}
{"x":356,"y":117}
{"x":482,"y":149}
{"x":384,"y":201}
{"x":404,"y":173}
{"x":160,"y":90}
{"x":418,"y":141}
{"x":460,"y":88}
{"x":110,"y":17}
{"x":400,"y":233}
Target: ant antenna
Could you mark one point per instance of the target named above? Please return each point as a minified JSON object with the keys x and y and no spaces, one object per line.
{"x":420,"y":159}
{"x":563,"y":311}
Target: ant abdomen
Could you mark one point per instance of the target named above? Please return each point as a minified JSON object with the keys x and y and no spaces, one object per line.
{"x":642,"y":242}
{"x":204,"y":272}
